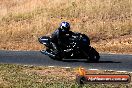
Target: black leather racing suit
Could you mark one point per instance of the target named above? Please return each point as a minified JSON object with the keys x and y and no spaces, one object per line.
{"x":60,"y":38}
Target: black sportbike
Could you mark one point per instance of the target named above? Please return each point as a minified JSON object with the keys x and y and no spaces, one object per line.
{"x":77,"y":47}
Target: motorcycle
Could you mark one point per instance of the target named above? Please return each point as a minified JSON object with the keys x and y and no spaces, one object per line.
{"x":77,"y":47}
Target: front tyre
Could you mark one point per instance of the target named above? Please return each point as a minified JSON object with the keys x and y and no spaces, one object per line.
{"x":57,"y":57}
{"x":51,"y":54}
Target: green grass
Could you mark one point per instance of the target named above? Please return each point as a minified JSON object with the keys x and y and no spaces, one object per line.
{"x":24,"y":76}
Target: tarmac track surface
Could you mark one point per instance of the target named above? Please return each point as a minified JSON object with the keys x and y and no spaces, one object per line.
{"x":107,"y":61}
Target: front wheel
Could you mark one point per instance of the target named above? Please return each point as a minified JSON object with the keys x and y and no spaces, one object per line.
{"x":57,"y":56}
{"x":51,"y":54}
{"x":94,"y":55}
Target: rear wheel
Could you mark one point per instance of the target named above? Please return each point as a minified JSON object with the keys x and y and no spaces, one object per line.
{"x":94,"y":55}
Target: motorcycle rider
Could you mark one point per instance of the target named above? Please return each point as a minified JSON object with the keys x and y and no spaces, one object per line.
{"x":59,"y":41}
{"x":60,"y":36}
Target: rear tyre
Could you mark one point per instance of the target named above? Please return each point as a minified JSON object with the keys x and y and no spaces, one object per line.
{"x":94,"y":56}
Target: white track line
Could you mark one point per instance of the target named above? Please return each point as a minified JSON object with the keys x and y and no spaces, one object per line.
{"x":51,"y":66}
{"x":121,"y":71}
{"x":66,"y":67}
{"x":98,"y":70}
{"x":93,"y":69}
